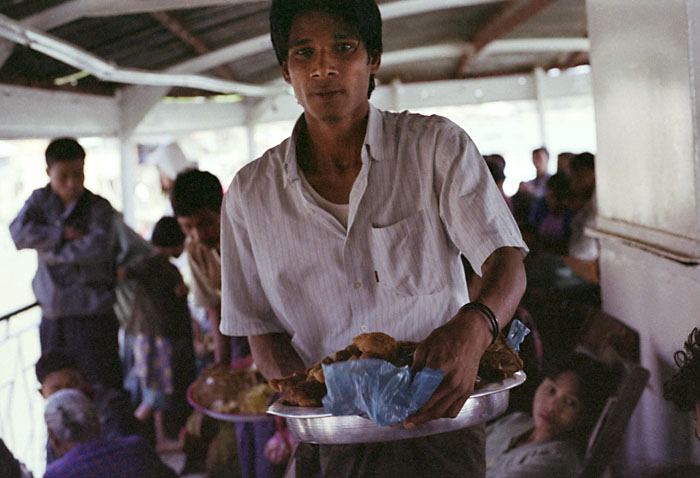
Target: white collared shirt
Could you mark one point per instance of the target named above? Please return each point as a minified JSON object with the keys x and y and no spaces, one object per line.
{"x":423,"y":194}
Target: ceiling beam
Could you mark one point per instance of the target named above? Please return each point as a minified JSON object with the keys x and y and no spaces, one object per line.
{"x":406,"y":8}
{"x":455,"y":50}
{"x":503,"y":22}
{"x":185,"y":33}
{"x":83,"y":60}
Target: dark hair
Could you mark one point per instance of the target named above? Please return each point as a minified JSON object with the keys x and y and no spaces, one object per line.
{"x":597,"y":382}
{"x":582,"y":161}
{"x":362,"y":15}
{"x":63,"y":149}
{"x":683,"y":388}
{"x":496,"y":158}
{"x":496,"y":171}
{"x":167,"y":233}
{"x":194,"y":190}
{"x":560,"y":184}
{"x":542,"y":149}
{"x":52,"y":361}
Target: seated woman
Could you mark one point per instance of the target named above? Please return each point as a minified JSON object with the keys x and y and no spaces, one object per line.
{"x":553,"y":440}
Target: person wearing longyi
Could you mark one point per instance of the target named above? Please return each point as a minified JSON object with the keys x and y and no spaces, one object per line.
{"x":355,"y":224}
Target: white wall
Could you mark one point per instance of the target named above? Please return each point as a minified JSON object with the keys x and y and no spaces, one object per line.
{"x":644,"y":85}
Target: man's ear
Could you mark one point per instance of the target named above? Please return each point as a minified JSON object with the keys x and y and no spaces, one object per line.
{"x":42,"y":392}
{"x":47,"y":171}
{"x":285,"y":72}
{"x":374,"y":60}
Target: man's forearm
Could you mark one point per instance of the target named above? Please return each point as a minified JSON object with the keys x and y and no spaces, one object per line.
{"x":274,"y":355}
{"x":502,"y":284}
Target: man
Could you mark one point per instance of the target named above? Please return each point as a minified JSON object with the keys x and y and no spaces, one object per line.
{"x":584,"y":204}
{"x":355,"y":224}
{"x":74,"y":431}
{"x":196,"y":199}
{"x":537,"y":186}
{"x":72,"y":231}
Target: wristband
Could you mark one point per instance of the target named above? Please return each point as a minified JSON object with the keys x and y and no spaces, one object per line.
{"x":486,"y":312}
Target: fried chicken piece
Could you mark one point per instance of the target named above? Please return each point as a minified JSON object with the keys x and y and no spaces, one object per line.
{"x":284,"y":383}
{"x":377,"y":345}
{"x":308,"y":393}
{"x":498,"y":362}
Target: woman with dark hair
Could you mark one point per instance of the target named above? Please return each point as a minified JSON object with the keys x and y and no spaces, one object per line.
{"x":552,"y":441}
{"x":683,"y":389}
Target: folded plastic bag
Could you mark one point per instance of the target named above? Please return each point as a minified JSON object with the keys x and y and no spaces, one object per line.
{"x":377,"y":389}
{"x":517,"y":334}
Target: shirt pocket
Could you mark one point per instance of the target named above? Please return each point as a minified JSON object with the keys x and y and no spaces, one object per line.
{"x":409,"y":255}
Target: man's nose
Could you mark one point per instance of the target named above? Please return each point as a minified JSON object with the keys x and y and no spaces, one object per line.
{"x":324,"y":65}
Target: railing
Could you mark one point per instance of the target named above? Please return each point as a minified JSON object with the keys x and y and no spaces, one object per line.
{"x":21,"y":422}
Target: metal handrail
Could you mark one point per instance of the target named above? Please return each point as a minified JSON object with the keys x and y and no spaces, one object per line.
{"x":18,"y":311}
{"x":21,"y":423}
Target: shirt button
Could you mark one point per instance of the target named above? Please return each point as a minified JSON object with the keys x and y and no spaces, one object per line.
{"x":363,"y":328}
{"x":58,"y":222}
{"x":357,"y":285}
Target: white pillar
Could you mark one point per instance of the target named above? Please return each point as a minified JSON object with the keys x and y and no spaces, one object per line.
{"x":540,"y":78}
{"x":129,"y":162}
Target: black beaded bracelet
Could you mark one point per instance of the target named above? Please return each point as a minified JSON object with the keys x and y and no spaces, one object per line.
{"x":486,"y":312}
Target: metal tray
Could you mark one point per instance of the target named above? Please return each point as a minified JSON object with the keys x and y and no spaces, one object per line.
{"x":315,"y":425}
{"x":227,"y":417}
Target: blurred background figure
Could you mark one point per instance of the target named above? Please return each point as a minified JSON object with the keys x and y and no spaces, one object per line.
{"x":10,"y":466}
{"x":563,"y":162}
{"x":74,"y":432}
{"x":583,"y":204}
{"x":540,"y":160}
{"x":551,"y":216}
{"x":161,"y":333}
{"x":170,"y":160}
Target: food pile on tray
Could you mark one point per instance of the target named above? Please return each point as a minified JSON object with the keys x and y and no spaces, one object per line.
{"x":307,"y":389}
{"x":225,"y":390}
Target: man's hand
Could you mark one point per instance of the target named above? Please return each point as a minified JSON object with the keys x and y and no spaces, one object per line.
{"x":71,"y":233}
{"x":456,"y":349}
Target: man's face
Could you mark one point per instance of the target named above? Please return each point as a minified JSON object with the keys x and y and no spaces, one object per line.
{"x":60,"y":379}
{"x":329,"y":68}
{"x":66,"y":179}
{"x":540,"y":159}
{"x":203,"y":226}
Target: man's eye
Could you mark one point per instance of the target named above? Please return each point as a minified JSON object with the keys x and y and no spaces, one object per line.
{"x":303,"y":52}
{"x":344,"y":47}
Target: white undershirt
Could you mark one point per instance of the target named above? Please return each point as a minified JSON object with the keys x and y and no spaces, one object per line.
{"x":340,"y":211}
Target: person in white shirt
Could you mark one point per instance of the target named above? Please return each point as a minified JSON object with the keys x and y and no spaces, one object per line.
{"x":356,"y":224}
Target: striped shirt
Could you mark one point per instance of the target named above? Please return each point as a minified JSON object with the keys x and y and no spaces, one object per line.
{"x":423,"y":195}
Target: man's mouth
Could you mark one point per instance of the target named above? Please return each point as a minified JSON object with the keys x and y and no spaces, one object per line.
{"x":328,"y":94}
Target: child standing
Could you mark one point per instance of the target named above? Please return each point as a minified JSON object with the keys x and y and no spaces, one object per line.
{"x":161,"y":326}
{"x":72,"y":231}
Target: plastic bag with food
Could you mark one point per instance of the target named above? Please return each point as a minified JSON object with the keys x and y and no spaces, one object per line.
{"x":377,"y":389}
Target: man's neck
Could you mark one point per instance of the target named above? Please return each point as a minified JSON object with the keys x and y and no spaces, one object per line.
{"x":332,"y":148}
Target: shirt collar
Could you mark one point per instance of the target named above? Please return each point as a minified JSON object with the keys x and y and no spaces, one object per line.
{"x":372,"y":143}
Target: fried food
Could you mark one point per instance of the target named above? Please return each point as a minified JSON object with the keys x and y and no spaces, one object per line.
{"x":307,"y":389}
{"x":377,"y":345}
{"x":225,"y":390}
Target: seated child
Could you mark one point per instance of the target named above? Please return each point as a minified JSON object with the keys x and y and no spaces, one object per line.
{"x":162,"y":331}
{"x":552,"y":441}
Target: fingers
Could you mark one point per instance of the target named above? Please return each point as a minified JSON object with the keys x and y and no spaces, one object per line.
{"x":447,"y":401}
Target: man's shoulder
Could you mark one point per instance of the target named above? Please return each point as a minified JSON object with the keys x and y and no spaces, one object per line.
{"x":96,"y":201}
{"x":415,"y":121}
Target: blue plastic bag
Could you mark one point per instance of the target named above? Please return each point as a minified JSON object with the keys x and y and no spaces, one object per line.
{"x":517,"y":334}
{"x":377,"y":389}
